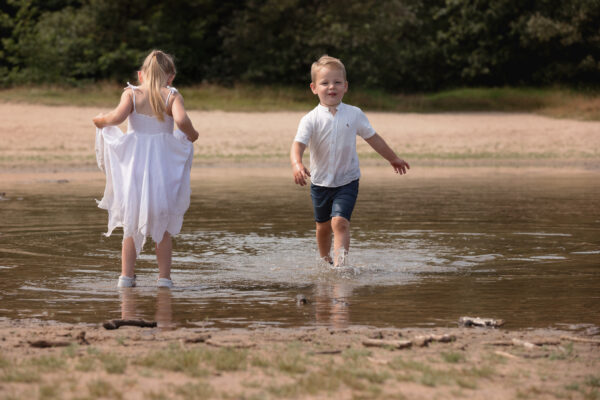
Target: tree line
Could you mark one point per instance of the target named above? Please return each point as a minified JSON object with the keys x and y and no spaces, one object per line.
{"x":396,"y":45}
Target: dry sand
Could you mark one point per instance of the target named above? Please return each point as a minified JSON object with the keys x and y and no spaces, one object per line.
{"x":35,"y":137}
{"x":41,"y":143}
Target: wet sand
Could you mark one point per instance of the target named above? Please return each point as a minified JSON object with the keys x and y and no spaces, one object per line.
{"x":41,"y":144}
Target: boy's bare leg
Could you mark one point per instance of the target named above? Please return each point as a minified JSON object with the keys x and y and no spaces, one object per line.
{"x":128,"y":256}
{"x":341,"y":238}
{"x":163,"y":256}
{"x":324,"y":240}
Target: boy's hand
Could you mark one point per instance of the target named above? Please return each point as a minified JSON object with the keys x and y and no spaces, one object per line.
{"x":301,"y":174}
{"x":400,"y":166}
{"x":193,"y":137}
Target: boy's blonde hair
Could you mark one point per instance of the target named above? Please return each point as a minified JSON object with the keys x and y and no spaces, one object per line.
{"x":157,"y":68}
{"x":326,"y":61}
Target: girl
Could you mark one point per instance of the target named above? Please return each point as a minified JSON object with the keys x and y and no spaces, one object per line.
{"x":148,"y":169}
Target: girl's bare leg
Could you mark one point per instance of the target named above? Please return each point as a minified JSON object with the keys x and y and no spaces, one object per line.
{"x":128,"y":256}
{"x":341,"y":238}
{"x":324,"y":239}
{"x":163,"y":256}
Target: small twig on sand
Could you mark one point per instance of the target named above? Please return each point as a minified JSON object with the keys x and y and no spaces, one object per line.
{"x":117,"y":323}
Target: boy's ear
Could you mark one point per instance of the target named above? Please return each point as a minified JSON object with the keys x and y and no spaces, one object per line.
{"x":313,"y":87}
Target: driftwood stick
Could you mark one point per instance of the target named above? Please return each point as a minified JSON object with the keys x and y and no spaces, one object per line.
{"x":198,"y":339}
{"x":529,"y":344}
{"x":44,"y":344}
{"x":483,"y":322}
{"x":332,"y":351}
{"x":424,"y":340}
{"x":505,"y":354}
{"x":117,"y":323}
{"x":395,"y":344}
{"x":230,"y":344}
{"x":581,"y":340}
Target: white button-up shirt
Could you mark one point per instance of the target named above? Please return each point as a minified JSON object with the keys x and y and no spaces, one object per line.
{"x":331,"y":140}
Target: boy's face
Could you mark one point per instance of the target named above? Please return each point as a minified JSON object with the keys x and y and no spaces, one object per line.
{"x":330,"y":85}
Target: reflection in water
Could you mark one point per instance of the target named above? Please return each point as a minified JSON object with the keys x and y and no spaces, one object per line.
{"x":164,"y":312}
{"x":517,"y":247}
{"x":332,"y":304}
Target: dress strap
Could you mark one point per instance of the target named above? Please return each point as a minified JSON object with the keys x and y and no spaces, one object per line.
{"x":133,"y":89}
{"x":171,"y":91}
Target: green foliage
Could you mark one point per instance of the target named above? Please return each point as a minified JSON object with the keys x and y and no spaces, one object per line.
{"x":396,"y":45}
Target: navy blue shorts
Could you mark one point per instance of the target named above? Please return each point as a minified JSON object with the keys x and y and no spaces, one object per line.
{"x":331,"y":202}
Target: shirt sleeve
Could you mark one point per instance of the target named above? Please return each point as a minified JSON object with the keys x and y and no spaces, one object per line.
{"x":363,"y":126}
{"x":304,"y":130}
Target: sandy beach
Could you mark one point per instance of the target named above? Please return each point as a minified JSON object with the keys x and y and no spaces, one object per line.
{"x":50,"y":360}
{"x":38,"y":138}
{"x":40,"y":360}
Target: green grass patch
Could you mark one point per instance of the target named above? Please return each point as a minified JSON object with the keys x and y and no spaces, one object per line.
{"x":452,"y":357}
{"x":113,"y":363}
{"x":20,"y":375}
{"x":466,"y":378}
{"x":4,"y":362}
{"x":563,"y":353}
{"x":195,"y":361}
{"x":228,"y":359}
{"x":593,"y":381}
{"x":101,"y":389}
{"x":556,"y":102}
{"x":48,"y":392}
{"x":195,"y":391}
{"x":291,"y":360}
{"x":47,"y":363}
{"x":176,"y":358}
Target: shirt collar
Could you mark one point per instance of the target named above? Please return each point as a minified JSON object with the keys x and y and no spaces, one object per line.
{"x":325,"y":108}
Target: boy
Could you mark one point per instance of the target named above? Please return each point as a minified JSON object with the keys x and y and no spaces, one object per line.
{"x":330,"y":131}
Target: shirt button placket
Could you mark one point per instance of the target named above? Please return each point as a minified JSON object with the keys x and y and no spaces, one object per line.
{"x":332,"y":149}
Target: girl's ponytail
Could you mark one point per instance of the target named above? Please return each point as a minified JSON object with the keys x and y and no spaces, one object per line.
{"x":157,"y":69}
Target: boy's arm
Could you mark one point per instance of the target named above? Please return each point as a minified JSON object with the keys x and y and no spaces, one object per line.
{"x":381,"y":147}
{"x":182,"y":120}
{"x":118,"y":115}
{"x":300,"y":172}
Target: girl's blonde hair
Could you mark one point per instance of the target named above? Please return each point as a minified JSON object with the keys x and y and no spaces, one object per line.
{"x":157,"y":68}
{"x":326,"y":61}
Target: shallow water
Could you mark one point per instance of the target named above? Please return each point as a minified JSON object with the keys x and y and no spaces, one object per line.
{"x":426,"y":250}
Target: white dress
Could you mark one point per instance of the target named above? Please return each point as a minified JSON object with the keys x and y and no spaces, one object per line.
{"x":147,"y":176}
